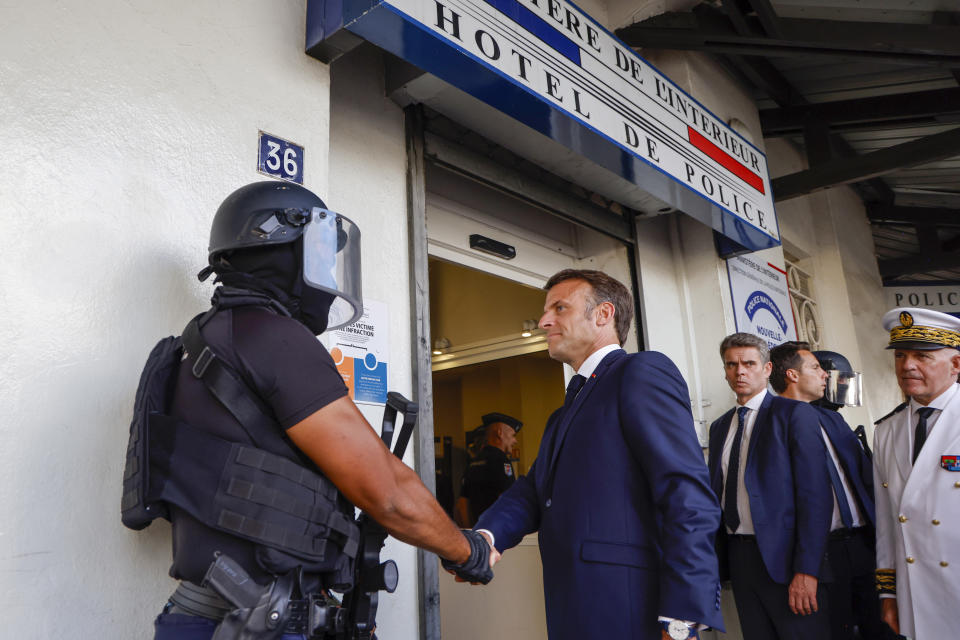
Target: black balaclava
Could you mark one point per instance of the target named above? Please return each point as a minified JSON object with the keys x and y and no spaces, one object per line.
{"x":276,"y":271}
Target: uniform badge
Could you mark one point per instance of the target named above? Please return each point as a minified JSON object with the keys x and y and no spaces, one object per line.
{"x":950,"y":463}
{"x":906,"y":319}
{"x":508,"y":468}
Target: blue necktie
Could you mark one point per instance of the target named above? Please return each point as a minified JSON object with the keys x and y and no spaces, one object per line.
{"x":730,"y":514}
{"x":845,"y":514}
{"x":920,"y":434}
{"x":573,"y":388}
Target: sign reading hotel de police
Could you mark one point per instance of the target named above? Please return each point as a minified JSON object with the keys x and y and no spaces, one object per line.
{"x":615,"y":107}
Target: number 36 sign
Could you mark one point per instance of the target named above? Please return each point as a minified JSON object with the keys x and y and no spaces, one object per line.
{"x":280,"y":158}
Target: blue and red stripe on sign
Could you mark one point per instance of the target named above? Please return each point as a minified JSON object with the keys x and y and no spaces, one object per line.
{"x":538,"y":27}
{"x":726,"y":160}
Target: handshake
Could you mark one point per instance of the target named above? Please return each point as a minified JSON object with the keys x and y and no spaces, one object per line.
{"x":478,"y":568}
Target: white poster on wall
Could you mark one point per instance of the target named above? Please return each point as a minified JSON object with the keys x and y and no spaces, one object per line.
{"x":360,"y":351}
{"x":761,"y":299}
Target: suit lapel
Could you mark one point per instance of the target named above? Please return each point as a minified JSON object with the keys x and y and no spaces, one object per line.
{"x":563,"y":425}
{"x":762,"y":417}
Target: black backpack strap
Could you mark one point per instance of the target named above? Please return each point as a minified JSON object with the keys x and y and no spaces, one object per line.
{"x":224,"y":383}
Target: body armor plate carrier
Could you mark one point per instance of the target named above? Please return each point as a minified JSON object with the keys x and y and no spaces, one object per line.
{"x":277,"y":502}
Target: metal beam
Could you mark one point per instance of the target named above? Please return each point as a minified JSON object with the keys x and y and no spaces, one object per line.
{"x":760,"y":73}
{"x":900,"y":109}
{"x":816,"y":140}
{"x":941,"y":199}
{"x":768,"y":18}
{"x":896,"y":267}
{"x":735,"y":10}
{"x":706,"y":29}
{"x":888,"y":214}
{"x":870,"y":165}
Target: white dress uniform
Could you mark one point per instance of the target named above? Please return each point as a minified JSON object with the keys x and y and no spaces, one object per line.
{"x":918,"y":512}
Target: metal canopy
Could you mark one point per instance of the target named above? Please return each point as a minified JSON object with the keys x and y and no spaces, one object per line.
{"x":868,"y":89}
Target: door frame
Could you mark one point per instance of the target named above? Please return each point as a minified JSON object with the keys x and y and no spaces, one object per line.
{"x":449,"y":156}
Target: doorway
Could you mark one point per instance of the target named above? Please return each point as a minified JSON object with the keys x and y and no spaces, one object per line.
{"x":488,"y":356}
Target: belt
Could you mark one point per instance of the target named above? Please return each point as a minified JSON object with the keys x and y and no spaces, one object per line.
{"x":203,"y":602}
{"x":845,"y":533}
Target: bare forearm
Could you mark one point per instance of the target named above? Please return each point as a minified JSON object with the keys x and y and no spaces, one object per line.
{"x":411,"y":514}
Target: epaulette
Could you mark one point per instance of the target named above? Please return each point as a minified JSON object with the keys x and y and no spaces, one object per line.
{"x":897,"y":410}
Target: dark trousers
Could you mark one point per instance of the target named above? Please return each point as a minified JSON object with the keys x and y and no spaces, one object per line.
{"x":853,"y":597}
{"x":179,"y":626}
{"x":763,"y":605}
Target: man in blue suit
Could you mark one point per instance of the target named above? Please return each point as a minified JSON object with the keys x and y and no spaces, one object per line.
{"x":802,"y":375}
{"x":619,"y":491}
{"x":768,"y":468}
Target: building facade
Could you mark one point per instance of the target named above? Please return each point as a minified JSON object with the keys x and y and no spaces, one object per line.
{"x":126,"y":123}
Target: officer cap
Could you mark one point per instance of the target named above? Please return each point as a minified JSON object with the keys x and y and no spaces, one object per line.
{"x":491,"y":418}
{"x":913,"y":328}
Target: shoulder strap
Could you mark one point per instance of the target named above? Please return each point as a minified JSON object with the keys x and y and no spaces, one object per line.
{"x":224,"y":383}
{"x":899,"y":408}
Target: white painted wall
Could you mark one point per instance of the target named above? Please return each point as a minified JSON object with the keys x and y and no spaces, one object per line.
{"x":124,"y":124}
{"x":830,"y":232}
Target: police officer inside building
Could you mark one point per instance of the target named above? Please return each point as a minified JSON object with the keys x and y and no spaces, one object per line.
{"x":491,"y":473}
{"x":263,"y":460}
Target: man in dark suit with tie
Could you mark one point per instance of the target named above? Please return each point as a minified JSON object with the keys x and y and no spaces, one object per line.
{"x":799,"y":374}
{"x":619,"y":491}
{"x":768,"y":467}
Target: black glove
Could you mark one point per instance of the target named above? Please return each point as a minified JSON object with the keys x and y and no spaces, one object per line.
{"x":476,"y":568}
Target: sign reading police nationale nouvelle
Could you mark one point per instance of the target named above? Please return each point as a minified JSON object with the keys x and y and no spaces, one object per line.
{"x":761,"y":300}
{"x":555,"y":52}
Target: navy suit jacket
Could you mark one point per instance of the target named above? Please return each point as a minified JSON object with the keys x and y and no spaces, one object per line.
{"x":791,"y":499}
{"x":856,"y":465}
{"x":621,"y":497}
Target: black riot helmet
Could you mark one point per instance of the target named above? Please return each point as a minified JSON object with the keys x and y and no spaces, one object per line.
{"x":281,"y":238}
{"x":844,"y":385}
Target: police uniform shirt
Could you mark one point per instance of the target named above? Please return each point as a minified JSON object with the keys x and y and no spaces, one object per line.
{"x":743,"y":498}
{"x":486,"y":478}
{"x":293,"y":376}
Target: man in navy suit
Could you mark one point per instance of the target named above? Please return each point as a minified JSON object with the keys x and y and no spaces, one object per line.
{"x":802,"y":375}
{"x":619,"y":492}
{"x":768,"y":468}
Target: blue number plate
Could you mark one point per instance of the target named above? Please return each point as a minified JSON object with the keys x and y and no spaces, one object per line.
{"x":280,"y":158}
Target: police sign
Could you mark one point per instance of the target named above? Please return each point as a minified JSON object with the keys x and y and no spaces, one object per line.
{"x":548,"y":64}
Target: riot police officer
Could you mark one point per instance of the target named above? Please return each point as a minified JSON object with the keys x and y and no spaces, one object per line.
{"x":259,"y":455}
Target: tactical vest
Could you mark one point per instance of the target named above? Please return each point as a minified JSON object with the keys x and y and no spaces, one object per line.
{"x":282,"y":503}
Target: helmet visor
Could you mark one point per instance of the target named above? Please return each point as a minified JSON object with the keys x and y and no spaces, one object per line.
{"x":331,"y":263}
{"x":844,"y":387}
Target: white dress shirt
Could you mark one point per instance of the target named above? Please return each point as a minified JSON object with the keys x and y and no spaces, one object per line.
{"x":743,"y":499}
{"x":590,"y":364}
{"x":837,"y":522}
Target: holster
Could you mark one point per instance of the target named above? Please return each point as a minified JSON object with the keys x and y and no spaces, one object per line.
{"x":262,"y":612}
